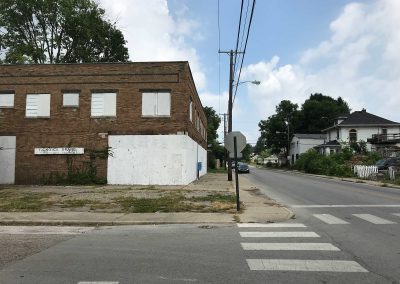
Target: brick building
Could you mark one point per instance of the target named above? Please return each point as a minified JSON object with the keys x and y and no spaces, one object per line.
{"x":55,"y":117}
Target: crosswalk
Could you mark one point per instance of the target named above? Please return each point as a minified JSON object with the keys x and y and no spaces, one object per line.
{"x":376,"y":220}
{"x":261,"y":244}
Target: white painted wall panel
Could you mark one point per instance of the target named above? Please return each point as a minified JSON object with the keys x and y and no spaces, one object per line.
{"x":154,"y":159}
{"x":7,"y":159}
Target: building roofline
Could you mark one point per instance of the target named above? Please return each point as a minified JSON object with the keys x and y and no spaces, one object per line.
{"x":360,"y":125}
{"x":92,"y":63}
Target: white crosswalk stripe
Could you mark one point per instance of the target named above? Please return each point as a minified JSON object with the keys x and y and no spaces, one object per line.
{"x":271,"y":225}
{"x":396,"y":214}
{"x":289,"y":246}
{"x":305,"y":265}
{"x":373,"y":219}
{"x":330,"y":219}
{"x":279,"y":235}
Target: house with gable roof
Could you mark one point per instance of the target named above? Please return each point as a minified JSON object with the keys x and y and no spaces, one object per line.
{"x":360,"y":126}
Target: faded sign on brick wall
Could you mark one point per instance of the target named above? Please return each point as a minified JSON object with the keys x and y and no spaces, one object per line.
{"x":59,"y":151}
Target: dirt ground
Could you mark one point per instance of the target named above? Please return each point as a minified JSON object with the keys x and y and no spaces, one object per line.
{"x":212,"y":193}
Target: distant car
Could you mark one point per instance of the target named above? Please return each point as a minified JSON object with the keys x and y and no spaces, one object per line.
{"x":384,"y":164}
{"x":243,"y":168}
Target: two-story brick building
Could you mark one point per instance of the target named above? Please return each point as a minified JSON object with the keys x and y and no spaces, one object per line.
{"x":55,"y":116}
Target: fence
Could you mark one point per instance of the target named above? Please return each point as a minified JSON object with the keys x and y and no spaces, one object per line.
{"x":392,"y":173}
{"x":366,"y":171}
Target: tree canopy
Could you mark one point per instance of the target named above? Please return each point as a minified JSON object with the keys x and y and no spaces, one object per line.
{"x":317,"y":113}
{"x":216,"y":151}
{"x":47,"y":31}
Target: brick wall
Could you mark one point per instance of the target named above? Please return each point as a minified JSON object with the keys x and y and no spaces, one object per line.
{"x":74,"y":127}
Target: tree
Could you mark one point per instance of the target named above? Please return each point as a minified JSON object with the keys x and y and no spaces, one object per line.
{"x":278,"y":128}
{"x":216,"y":151}
{"x":319,"y":112}
{"x":47,"y":31}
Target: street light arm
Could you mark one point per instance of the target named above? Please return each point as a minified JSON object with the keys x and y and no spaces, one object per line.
{"x":255,"y":82}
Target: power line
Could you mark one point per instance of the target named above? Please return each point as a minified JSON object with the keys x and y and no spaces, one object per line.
{"x":245,"y":46}
{"x":238,"y":36}
{"x":219,"y":63}
{"x":243,"y":32}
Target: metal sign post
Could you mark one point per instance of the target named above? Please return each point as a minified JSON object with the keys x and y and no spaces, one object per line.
{"x":236,"y":174}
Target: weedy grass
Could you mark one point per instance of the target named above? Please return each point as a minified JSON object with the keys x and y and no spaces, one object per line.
{"x":23,"y":202}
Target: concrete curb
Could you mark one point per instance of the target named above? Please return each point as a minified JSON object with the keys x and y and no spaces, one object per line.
{"x":353,"y":180}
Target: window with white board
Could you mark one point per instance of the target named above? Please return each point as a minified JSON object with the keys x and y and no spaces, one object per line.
{"x":6,"y":100}
{"x":70,"y":99}
{"x":37,"y":105}
{"x":156,"y":104}
{"x":104,"y":105}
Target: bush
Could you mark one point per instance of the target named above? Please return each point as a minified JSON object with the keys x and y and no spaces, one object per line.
{"x":314,"y":163}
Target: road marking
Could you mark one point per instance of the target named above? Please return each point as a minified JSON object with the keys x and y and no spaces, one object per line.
{"x":279,"y":235}
{"x":305,"y":265}
{"x":43,"y":230}
{"x":396,"y":214}
{"x":344,"y":206}
{"x":271,"y":225}
{"x":373,"y":219}
{"x":98,"y":282}
{"x":289,"y":246}
{"x":330,"y":219}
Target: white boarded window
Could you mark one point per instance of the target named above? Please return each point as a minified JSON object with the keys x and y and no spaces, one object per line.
{"x":71,"y":99}
{"x":156,"y":104}
{"x":191,"y":110}
{"x":104,"y":104}
{"x":37,"y":105}
{"x":7,"y":100}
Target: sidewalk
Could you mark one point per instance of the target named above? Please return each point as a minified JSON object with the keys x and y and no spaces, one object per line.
{"x":257,"y":208}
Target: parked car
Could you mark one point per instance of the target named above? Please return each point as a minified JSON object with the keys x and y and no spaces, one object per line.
{"x":243,"y":168}
{"x":384,"y":164}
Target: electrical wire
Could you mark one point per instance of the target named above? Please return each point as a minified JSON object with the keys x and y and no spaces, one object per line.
{"x":238,"y":36}
{"x":245,"y":46}
{"x":219,"y":63}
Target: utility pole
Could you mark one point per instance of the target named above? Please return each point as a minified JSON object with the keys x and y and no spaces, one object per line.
{"x":230,"y":102}
{"x":225,"y":151}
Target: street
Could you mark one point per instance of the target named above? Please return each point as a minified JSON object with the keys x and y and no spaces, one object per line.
{"x":342,"y":233}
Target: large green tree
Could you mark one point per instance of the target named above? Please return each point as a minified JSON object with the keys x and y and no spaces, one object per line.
{"x":215,"y":150}
{"x":279,"y":128}
{"x":319,"y":112}
{"x":48,"y":31}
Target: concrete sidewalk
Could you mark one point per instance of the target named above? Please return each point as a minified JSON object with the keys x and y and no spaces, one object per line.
{"x":257,"y":208}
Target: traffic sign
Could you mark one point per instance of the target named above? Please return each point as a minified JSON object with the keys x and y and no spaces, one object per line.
{"x":240,"y":142}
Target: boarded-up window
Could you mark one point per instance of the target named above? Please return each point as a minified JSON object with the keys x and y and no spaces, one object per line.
{"x":6,"y":100}
{"x":104,"y":104}
{"x":71,"y":99}
{"x":156,"y":104}
{"x":191,"y":110}
{"x":37,"y":105}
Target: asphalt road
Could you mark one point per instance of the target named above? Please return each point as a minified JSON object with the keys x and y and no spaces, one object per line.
{"x":325,"y":243}
{"x":363,"y":221}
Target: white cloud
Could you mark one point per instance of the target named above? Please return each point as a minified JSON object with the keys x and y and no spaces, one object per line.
{"x":359,"y":62}
{"x":153,"y":34}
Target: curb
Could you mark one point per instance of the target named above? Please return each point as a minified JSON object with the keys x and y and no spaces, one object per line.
{"x":360,"y":181}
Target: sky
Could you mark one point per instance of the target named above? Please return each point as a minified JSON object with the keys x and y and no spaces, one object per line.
{"x":295,"y":48}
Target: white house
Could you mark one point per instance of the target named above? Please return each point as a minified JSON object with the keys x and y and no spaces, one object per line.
{"x":356,"y":127}
{"x":301,"y":143}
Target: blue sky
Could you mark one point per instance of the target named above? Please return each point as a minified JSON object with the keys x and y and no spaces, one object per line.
{"x":296,"y":47}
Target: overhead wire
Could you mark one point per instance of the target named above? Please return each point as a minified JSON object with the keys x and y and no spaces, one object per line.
{"x":238,"y":36}
{"x":219,"y":63}
{"x":245,"y":47}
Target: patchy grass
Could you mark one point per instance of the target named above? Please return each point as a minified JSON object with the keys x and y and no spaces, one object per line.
{"x":28,"y":202}
{"x":222,"y":198}
{"x":75,"y":203}
{"x":167,"y":203}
